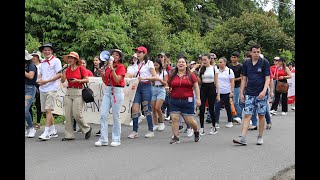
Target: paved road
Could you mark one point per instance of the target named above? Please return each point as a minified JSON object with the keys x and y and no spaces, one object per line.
{"x":214,"y":157}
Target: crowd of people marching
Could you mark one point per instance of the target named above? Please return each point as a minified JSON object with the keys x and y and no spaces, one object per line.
{"x":164,"y":93}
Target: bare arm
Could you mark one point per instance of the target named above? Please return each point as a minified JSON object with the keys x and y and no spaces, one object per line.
{"x":196,"y":89}
{"x":29,"y":75}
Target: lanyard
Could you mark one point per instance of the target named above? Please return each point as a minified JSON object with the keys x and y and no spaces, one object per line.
{"x":139,"y":69}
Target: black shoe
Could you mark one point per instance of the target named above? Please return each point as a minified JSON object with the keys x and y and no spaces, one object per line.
{"x":67,"y":139}
{"x":98,"y":133}
{"x":253,"y":128}
{"x":208,"y":120}
{"x":180,"y":127}
{"x":196,"y":136}
{"x":88,"y":134}
{"x":175,"y":140}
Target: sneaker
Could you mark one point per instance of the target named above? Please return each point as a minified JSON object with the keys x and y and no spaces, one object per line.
{"x":236,"y":120}
{"x":88,"y":134}
{"x":202,"y":133}
{"x":142,"y":117}
{"x":250,"y":122}
{"x":213,"y":130}
{"x":259,"y":141}
{"x":273,"y":112}
{"x":167,"y":118}
{"x":98,"y":133}
{"x":149,"y":134}
{"x":99,"y":143}
{"x":240,"y":140}
{"x":175,"y":140}
{"x":133,"y":135}
{"x":131,"y":123}
{"x":114,"y":144}
{"x":208,"y":120}
{"x":185,"y":130}
{"x":284,"y":113}
{"x":181,"y":128}
{"x":217,"y":125}
{"x":161,"y":127}
{"x":26,"y":133}
{"x":197,"y":136}
{"x":44,"y":136}
{"x":53,"y":133}
{"x":229,"y":125}
{"x":32,"y":133}
{"x":189,"y":132}
{"x":268,"y":126}
{"x":293,"y":108}
{"x":79,"y":131}
{"x":155,"y":127}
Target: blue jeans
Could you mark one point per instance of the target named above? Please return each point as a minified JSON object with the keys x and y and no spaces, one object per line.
{"x":236,"y":101}
{"x":217,"y":107}
{"x":29,"y":93}
{"x":106,"y":104}
{"x":143,"y":96}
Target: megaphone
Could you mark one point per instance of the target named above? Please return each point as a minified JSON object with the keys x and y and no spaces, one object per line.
{"x":105,"y":55}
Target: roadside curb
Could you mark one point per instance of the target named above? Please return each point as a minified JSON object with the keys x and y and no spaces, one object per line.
{"x":285,"y":174}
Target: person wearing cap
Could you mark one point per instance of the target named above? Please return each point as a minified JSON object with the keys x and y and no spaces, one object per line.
{"x":146,"y":74}
{"x":256,"y":79}
{"x":31,"y":75}
{"x":182,"y":83}
{"x":36,"y":60}
{"x":75,"y":75}
{"x":236,"y":68}
{"x":50,"y":73}
{"x":281,"y":75}
{"x":273,"y":71}
{"x":113,"y":97}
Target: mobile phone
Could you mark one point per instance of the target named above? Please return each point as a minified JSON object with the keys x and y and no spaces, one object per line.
{"x":71,"y":79}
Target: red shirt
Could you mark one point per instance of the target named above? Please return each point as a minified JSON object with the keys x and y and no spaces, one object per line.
{"x":90,"y":74}
{"x":182,"y":86}
{"x":75,"y":74}
{"x":272,"y":70}
{"x":280,"y":72}
{"x":119,"y":70}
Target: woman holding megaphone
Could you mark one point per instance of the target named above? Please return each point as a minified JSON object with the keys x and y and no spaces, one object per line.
{"x":112,"y":74}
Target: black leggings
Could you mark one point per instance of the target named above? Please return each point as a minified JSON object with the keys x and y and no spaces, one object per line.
{"x":284,"y":100}
{"x":38,"y":106}
{"x":207,"y":92}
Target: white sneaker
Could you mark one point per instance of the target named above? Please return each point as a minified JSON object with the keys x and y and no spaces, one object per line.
{"x":237,"y":120}
{"x":273,"y":112}
{"x":213,"y":131}
{"x":131,"y":123}
{"x":142,"y":117}
{"x":53,"y":133}
{"x":293,"y":108}
{"x":229,"y":125}
{"x":284,"y":113}
{"x":190,"y":132}
{"x":149,"y":134}
{"x":259,"y":141}
{"x":161,"y":127}
{"x":133,"y":135}
{"x":44,"y":136}
{"x":99,"y":143}
{"x":250,"y":122}
{"x":26,"y":133}
{"x":217,"y":125}
{"x":32,"y":133}
{"x":202,"y":133}
{"x":167,"y":118}
{"x":156,"y":127}
{"x":114,"y":144}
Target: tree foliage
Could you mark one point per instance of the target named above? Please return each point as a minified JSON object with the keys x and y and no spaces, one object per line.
{"x":174,"y":26}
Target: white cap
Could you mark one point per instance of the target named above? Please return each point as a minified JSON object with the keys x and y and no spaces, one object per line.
{"x":27,"y":56}
{"x":192,"y":62}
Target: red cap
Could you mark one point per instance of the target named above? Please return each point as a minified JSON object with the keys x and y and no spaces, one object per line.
{"x":141,"y":48}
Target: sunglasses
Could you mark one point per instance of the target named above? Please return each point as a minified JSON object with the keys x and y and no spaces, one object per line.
{"x":276,"y":60}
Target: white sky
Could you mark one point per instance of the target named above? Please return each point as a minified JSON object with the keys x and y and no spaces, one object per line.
{"x":269,"y":5}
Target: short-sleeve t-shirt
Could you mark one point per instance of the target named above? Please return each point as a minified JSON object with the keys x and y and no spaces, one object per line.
{"x":224,"y":80}
{"x":77,"y":74}
{"x":255,"y":75}
{"x":31,"y":67}
{"x":48,"y":70}
{"x":209,"y":73}
{"x":237,"y":72}
{"x":90,"y":74}
{"x":119,"y":70}
{"x":182,"y":86}
{"x":145,"y":69}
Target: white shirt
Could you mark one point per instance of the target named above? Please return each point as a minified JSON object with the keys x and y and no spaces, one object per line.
{"x":208,"y":75}
{"x":38,"y":70}
{"x":224,"y":80}
{"x":161,"y":76}
{"x":48,"y":71}
{"x":145,"y":69}
{"x":133,"y":69}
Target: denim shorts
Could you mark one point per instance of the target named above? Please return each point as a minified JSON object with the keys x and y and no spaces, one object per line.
{"x":158,"y":93}
{"x":182,"y":106}
{"x":253,"y":102}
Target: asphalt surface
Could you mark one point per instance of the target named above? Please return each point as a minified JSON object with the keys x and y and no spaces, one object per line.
{"x":214,"y":157}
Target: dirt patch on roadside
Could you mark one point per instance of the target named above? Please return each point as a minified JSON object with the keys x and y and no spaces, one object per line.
{"x":285,"y":174}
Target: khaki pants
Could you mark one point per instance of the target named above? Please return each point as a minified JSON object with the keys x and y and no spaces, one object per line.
{"x":73,"y":105}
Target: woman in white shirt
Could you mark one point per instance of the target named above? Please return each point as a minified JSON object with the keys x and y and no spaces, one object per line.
{"x":158,"y":95}
{"x":226,"y":87}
